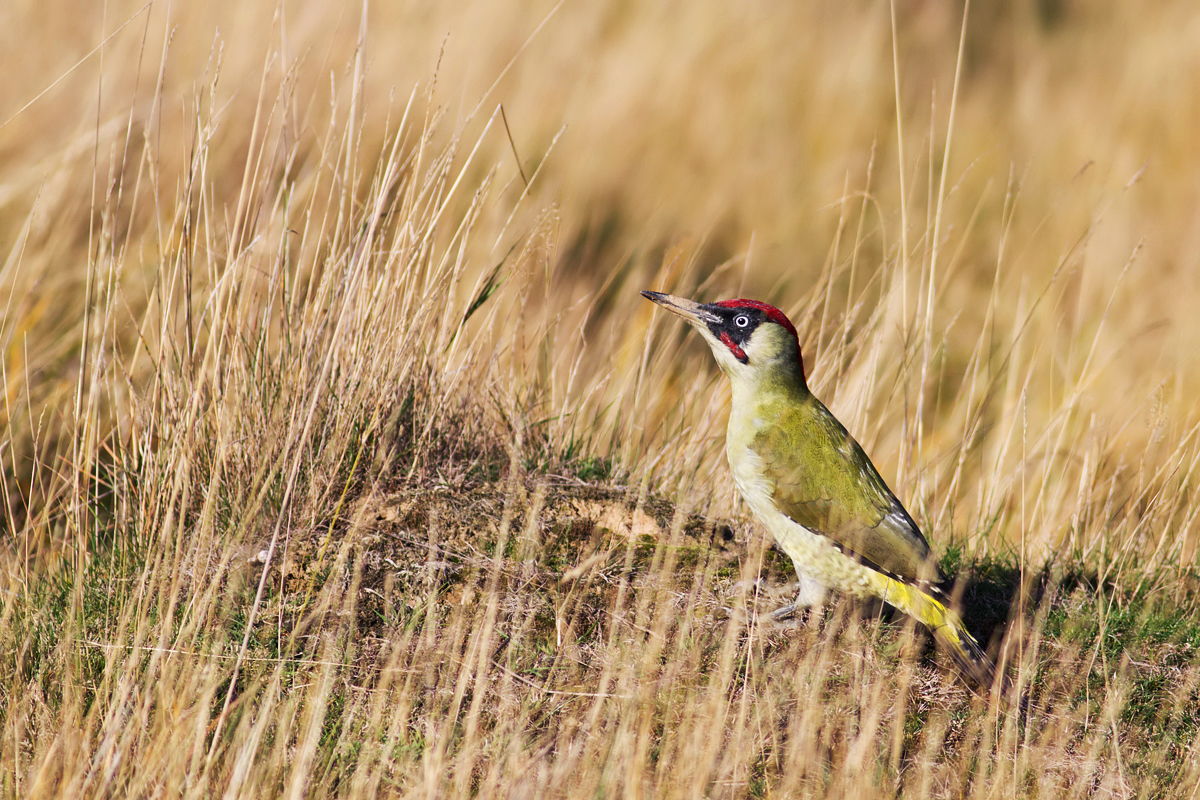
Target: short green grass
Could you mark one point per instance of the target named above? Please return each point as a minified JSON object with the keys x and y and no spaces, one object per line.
{"x":555,"y":635}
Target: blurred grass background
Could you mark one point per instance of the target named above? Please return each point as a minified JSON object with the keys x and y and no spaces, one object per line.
{"x":199,"y":202}
{"x":744,"y":136}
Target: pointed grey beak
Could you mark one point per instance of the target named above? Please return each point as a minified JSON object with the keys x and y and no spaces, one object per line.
{"x":688,"y":309}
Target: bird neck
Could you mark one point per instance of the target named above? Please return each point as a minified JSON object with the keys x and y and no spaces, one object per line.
{"x":777,"y":380}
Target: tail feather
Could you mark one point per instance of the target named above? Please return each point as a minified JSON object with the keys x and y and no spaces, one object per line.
{"x":963,"y":648}
{"x":946,"y":625}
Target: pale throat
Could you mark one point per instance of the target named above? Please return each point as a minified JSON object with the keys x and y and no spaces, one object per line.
{"x":751,"y":405}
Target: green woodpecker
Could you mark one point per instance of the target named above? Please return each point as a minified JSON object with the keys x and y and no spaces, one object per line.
{"x":810,"y":483}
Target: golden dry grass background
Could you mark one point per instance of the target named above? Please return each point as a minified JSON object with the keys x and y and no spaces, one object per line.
{"x":741,"y":136}
{"x":235,"y":235}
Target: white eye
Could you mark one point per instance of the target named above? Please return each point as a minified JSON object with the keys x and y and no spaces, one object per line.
{"x":741,"y":321}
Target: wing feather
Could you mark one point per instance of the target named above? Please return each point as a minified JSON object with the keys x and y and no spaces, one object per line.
{"x":824,"y":481}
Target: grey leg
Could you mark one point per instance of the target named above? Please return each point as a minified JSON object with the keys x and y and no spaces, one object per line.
{"x":811,"y":593}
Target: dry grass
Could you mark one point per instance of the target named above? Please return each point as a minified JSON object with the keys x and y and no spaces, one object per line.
{"x":342,"y":458}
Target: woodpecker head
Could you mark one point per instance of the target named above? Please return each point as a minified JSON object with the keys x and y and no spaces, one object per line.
{"x":746,"y":336}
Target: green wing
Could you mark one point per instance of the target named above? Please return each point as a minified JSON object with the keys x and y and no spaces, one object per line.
{"x":824,"y":481}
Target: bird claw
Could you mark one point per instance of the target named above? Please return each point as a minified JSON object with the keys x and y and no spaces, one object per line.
{"x":783,"y":612}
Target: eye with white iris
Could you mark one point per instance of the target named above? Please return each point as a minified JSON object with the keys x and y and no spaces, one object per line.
{"x":741,"y":321}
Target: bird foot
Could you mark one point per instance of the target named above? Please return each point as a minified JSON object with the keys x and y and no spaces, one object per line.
{"x":783,"y":612}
